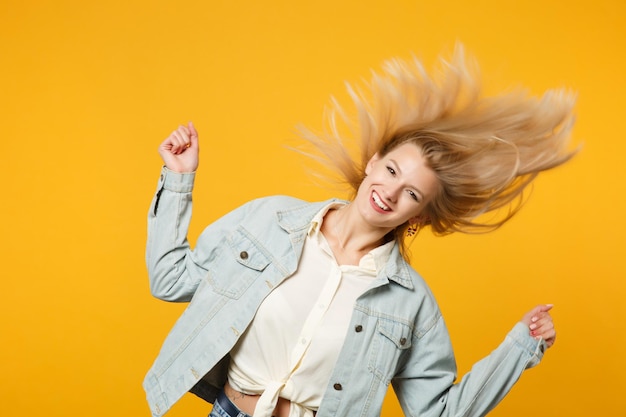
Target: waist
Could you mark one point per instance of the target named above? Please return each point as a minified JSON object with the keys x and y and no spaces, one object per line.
{"x":247,"y":402}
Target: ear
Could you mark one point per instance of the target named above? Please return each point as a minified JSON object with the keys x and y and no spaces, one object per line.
{"x":370,"y":164}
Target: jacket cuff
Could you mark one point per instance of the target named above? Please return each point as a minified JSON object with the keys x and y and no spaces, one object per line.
{"x":520,"y":335}
{"x":176,"y":181}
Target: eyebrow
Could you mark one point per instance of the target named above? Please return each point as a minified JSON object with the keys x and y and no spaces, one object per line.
{"x":417,"y":190}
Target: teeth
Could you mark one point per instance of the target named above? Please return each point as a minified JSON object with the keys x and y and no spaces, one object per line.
{"x":379,"y":202}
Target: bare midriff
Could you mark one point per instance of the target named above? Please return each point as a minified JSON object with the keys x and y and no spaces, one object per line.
{"x":247,"y":402}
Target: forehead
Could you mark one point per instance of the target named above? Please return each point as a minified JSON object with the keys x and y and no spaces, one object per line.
{"x":409,"y":153}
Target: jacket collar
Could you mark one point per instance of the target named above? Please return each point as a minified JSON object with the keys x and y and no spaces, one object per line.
{"x":297,"y":221}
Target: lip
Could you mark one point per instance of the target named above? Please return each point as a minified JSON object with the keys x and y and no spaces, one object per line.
{"x":375,"y":206}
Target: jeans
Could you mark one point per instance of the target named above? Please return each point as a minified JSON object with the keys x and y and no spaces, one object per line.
{"x":223,"y":407}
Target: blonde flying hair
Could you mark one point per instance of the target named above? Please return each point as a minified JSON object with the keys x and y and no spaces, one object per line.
{"x":484,"y":150}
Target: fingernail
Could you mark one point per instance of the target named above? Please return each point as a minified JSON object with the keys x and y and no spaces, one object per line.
{"x":532,"y":326}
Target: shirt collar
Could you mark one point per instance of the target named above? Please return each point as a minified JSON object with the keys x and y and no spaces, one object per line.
{"x":318,"y":219}
{"x":375,"y":260}
{"x":297,"y":221}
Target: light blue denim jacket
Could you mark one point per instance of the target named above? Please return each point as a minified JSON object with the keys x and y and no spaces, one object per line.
{"x":396,"y":334}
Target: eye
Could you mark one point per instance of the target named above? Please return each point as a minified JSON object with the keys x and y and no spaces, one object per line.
{"x":413,"y":196}
{"x":391,"y":171}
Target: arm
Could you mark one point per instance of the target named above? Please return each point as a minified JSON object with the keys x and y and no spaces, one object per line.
{"x":172,"y":277}
{"x":174,"y":269}
{"x":425,"y":385}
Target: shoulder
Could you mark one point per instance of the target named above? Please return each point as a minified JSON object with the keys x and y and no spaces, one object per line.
{"x":290,"y":212}
{"x":285,"y":204}
{"x":279,"y":202}
{"x":270,"y":205}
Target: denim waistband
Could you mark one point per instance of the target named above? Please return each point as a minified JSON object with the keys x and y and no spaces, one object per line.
{"x":228,"y":406}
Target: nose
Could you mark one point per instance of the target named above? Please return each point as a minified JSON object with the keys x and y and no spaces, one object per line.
{"x":391,"y":192}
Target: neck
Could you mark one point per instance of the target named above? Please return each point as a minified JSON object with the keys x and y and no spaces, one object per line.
{"x":348,"y":234}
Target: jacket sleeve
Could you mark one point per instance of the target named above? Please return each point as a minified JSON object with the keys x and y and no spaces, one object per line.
{"x":175,"y":270}
{"x":426,"y":386}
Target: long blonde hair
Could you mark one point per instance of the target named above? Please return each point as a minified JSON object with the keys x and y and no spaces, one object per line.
{"x":485,"y":151}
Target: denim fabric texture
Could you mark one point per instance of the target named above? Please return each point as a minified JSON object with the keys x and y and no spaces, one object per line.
{"x":223,"y":407}
{"x":218,"y":411}
{"x":396,"y":335}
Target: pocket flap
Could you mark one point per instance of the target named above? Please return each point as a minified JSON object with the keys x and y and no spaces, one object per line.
{"x":247,"y":251}
{"x":400,"y":334}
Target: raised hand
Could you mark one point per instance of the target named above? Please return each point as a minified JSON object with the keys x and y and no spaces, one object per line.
{"x":180,"y":150}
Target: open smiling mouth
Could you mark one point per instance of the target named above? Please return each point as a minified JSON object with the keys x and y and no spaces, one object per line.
{"x":379,"y":202}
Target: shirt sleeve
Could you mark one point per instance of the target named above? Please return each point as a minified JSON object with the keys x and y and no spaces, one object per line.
{"x":426,"y":386}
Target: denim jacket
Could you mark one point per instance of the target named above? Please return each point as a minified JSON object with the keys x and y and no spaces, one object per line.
{"x":396,"y":335}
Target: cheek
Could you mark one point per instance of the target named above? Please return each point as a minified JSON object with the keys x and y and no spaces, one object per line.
{"x":362,"y":193}
{"x":414,"y":210}
{"x":413,"y":214}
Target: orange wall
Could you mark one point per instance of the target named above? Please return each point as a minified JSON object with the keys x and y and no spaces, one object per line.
{"x":89,"y":89}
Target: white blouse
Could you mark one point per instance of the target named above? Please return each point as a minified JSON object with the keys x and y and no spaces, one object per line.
{"x":291,"y":346}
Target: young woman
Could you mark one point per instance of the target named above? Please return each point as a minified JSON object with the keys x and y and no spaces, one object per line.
{"x":302,"y":309}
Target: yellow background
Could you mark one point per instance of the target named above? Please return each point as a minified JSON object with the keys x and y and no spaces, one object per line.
{"x":90,"y":88}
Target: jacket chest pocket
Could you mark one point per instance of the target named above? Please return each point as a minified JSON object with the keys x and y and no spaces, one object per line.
{"x":237,"y":264}
{"x":391,"y":339}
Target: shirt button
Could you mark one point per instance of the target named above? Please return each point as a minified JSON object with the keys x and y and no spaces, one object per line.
{"x":403,"y":341}
{"x":337,"y":386}
{"x":358,"y":328}
{"x":243,"y":255}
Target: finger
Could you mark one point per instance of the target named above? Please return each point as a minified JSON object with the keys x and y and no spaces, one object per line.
{"x":544,"y":329}
{"x":186,"y":134}
{"x":543,"y":308}
{"x":184,"y":130}
{"x":538,"y":311}
{"x":549,"y":337}
{"x":175,"y":142}
{"x":540,"y":318}
{"x":192,"y":130}
{"x":170,"y":143}
{"x":541,"y":327}
{"x":193,"y":136}
{"x":180,"y":139}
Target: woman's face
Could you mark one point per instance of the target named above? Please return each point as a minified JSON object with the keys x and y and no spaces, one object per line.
{"x":397,"y":188}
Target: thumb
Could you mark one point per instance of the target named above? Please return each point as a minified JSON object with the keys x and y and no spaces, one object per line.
{"x":544,"y":308}
{"x":533,"y":315}
{"x":193,"y":133}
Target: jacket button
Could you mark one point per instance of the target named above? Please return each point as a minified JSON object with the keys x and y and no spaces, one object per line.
{"x":403,"y":341}
{"x":243,"y":255}
{"x":337,"y":386}
{"x":358,"y":328}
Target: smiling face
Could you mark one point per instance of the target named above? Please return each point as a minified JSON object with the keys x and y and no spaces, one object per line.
{"x":397,"y":188}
